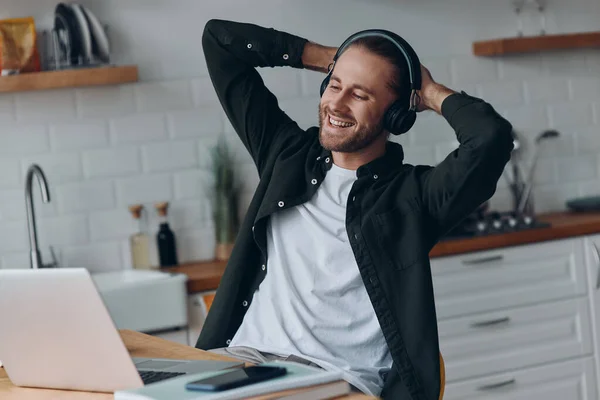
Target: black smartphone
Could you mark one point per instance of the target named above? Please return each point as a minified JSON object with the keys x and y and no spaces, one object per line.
{"x":236,"y":378}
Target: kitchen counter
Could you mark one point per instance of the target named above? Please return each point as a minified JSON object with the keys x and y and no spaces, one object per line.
{"x":204,"y":276}
{"x":562,"y":225}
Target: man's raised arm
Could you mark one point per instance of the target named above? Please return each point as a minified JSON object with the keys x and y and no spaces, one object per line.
{"x":233,"y":50}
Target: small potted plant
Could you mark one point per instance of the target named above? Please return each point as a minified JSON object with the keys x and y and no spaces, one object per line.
{"x":225,"y":199}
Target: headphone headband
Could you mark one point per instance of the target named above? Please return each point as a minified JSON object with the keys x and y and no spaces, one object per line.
{"x":412,"y":60}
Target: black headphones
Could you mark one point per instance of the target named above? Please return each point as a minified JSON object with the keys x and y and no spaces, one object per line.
{"x":398,"y":118}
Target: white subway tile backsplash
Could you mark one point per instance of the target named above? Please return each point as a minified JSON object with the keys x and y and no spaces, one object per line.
{"x":440,"y":69}
{"x":16,"y":140}
{"x":143,"y":189}
{"x":585,"y":88}
{"x":513,"y":67}
{"x":549,"y":198}
{"x":570,"y":115}
{"x":310,"y":83}
{"x":502,"y":93}
{"x":13,"y":237}
{"x":282,"y":82}
{"x":105,"y":101}
{"x":111,"y":162}
{"x":45,"y":106}
{"x":589,"y":188}
{"x":531,"y":118}
{"x":16,"y":260}
{"x":587,"y":140}
{"x":196,"y":244}
{"x":97,"y":257}
{"x":169,"y":156}
{"x":546,"y":90}
{"x":430,"y":129}
{"x":111,"y":225}
{"x":204,"y":92}
{"x":85,"y":196}
{"x":63,"y":230}
{"x":57,"y":167}
{"x":10,"y":174}
{"x":12,"y":205}
{"x":574,"y":169}
{"x":473,"y":70}
{"x":139,"y":128}
{"x":190,"y":214}
{"x":193,"y":184}
{"x":197,"y":122}
{"x":564,"y":64}
{"x":79,"y":135}
{"x":7,"y":108}
{"x":419,"y":155}
{"x":305,"y":111}
{"x":163,"y":96}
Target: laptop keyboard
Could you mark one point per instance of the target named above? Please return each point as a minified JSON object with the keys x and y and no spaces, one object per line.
{"x":155,"y":376}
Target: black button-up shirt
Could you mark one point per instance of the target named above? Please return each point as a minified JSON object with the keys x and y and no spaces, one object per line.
{"x":395,"y":215}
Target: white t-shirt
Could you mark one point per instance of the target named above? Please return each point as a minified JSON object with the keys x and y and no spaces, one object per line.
{"x":313,"y":302}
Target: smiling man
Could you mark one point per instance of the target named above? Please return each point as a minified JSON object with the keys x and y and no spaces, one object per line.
{"x":331,"y":265}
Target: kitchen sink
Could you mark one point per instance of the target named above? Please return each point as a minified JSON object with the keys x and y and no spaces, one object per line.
{"x":144,"y":300}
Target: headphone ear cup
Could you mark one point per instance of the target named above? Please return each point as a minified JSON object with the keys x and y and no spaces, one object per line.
{"x":325,"y":83}
{"x":398,"y":119}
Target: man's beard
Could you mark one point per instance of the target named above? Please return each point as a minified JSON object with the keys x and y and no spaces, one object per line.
{"x":355,"y":141}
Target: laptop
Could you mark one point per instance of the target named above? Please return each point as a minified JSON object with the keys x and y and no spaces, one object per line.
{"x":55,"y":332}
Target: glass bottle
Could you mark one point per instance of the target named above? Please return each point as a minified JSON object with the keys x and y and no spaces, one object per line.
{"x":165,"y":238}
{"x":139,"y":242}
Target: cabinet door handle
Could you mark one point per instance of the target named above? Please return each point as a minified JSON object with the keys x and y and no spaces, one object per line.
{"x":597,"y":258}
{"x":498,"y":385}
{"x":483,"y":260}
{"x":491,"y":322}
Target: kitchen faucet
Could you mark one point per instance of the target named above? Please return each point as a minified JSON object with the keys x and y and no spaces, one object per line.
{"x":36,"y":258}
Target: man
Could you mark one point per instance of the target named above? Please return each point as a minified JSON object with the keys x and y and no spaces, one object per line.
{"x":331,"y":263}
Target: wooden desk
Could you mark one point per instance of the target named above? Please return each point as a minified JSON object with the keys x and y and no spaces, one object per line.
{"x":139,"y":345}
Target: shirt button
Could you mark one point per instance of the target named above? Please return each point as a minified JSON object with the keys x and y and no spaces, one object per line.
{"x":249,"y":45}
{"x":245,"y":303}
{"x":263,"y":267}
{"x":327,"y":160}
{"x":228,"y":342}
{"x":314,"y":181}
{"x":353,"y":198}
{"x":285,"y":56}
{"x":318,"y":158}
{"x":281,"y":204}
{"x":375,"y":176}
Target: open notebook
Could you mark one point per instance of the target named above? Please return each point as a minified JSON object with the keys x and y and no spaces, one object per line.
{"x":316,"y":384}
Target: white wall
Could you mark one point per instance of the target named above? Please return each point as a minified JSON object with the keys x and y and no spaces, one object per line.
{"x":104,"y":148}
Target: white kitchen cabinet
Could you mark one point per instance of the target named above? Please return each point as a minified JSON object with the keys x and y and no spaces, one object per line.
{"x":592,"y":250}
{"x":508,"y":277}
{"x":516,"y":323}
{"x":483,"y":344}
{"x":569,"y":380}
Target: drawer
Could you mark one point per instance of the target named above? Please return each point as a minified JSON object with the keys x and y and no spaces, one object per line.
{"x":489,"y":343}
{"x":510,"y":277}
{"x":571,"y":380}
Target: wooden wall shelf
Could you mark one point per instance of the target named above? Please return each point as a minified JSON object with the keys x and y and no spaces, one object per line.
{"x":530,"y":44}
{"x":69,"y":78}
